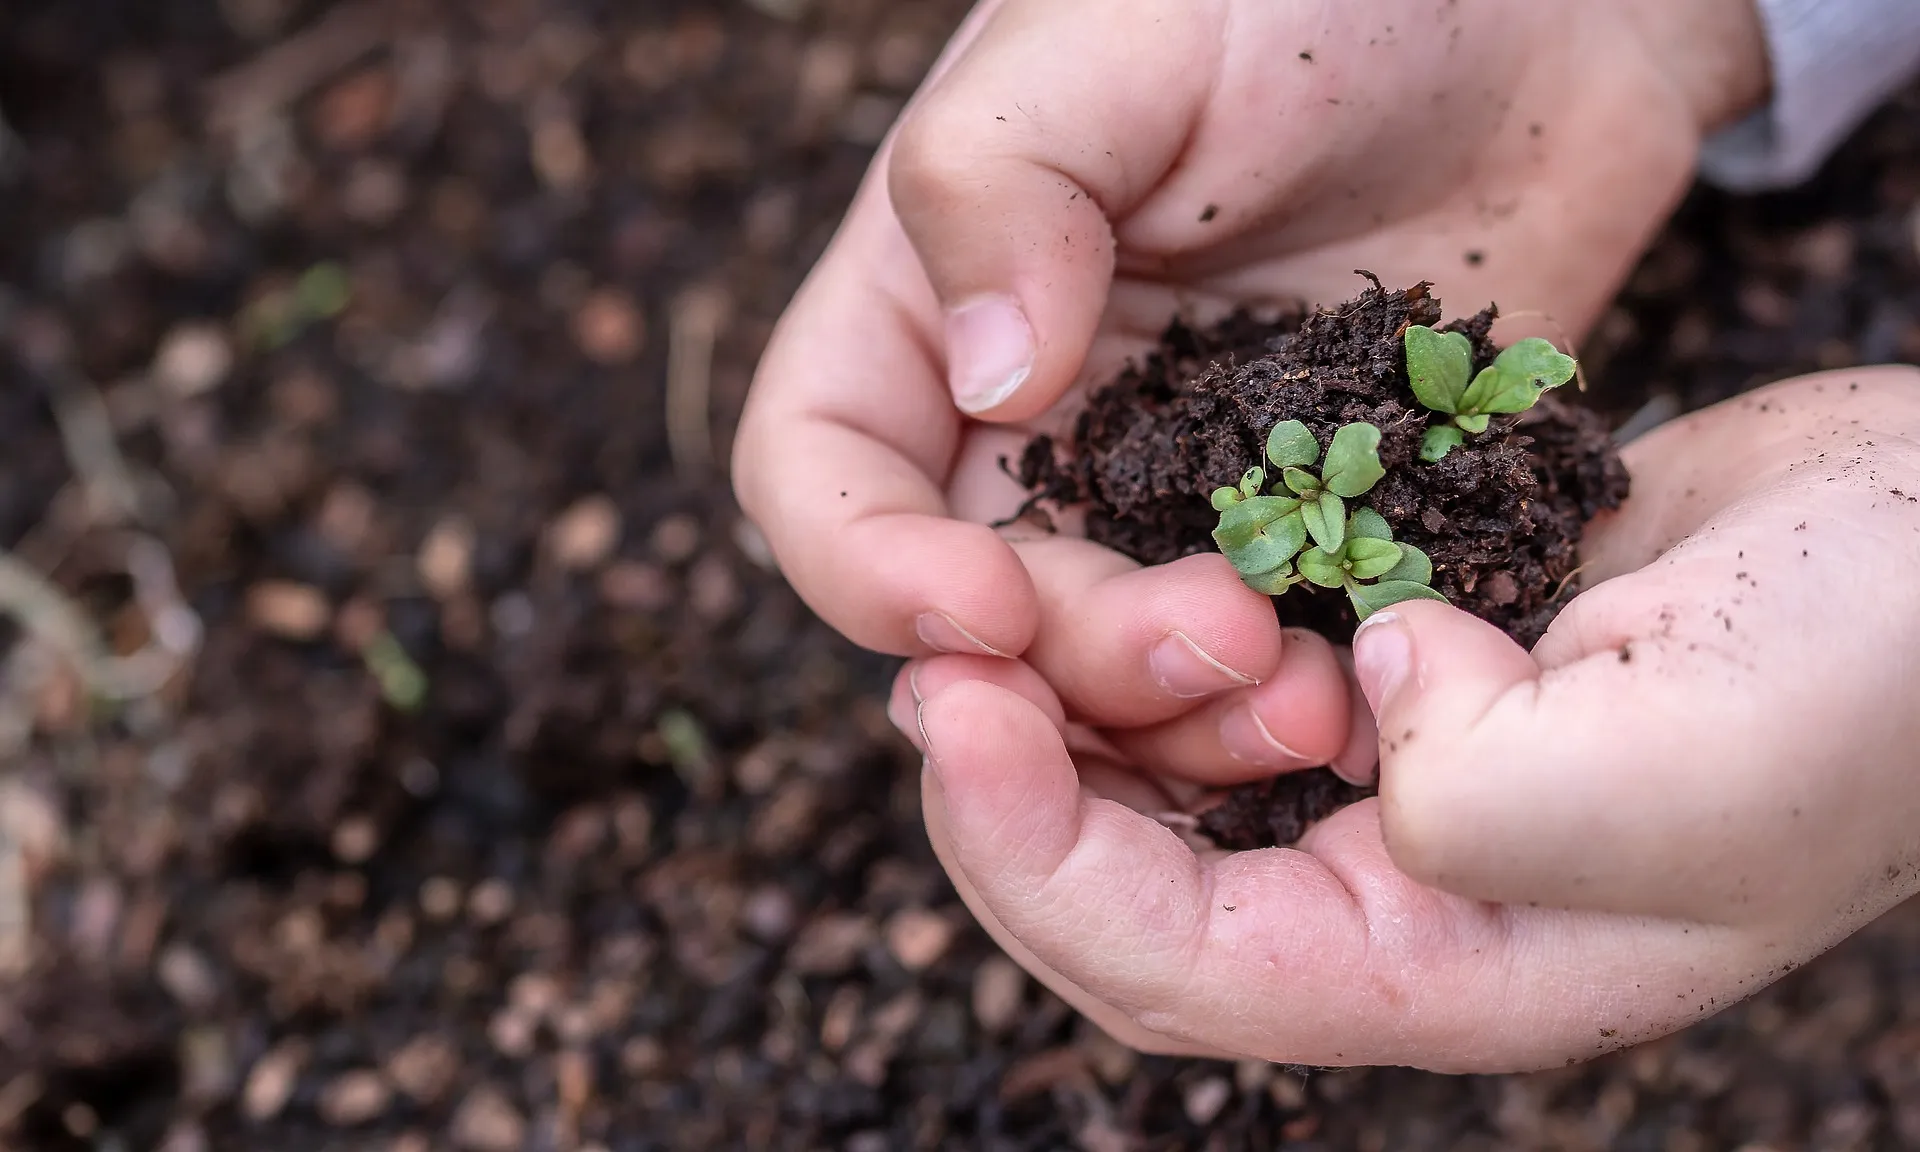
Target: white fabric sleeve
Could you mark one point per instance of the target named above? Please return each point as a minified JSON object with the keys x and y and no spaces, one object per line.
{"x":1834,"y":61}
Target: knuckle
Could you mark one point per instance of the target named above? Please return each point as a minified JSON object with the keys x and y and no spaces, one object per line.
{"x":931,"y":166}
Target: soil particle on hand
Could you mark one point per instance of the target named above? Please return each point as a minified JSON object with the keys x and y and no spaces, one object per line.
{"x":1501,"y":516}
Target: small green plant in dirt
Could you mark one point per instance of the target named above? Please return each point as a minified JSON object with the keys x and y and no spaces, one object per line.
{"x":1266,"y":534}
{"x":1374,"y":571}
{"x":1440,"y":367}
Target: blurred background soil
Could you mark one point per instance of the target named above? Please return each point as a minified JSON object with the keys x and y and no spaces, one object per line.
{"x":508,"y":799}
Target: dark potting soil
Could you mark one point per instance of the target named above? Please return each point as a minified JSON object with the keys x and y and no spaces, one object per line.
{"x":1501,"y":516}
{"x":265,"y":913}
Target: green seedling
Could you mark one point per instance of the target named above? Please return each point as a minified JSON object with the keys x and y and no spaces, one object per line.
{"x":278,"y":318}
{"x":1254,"y":529}
{"x":1440,"y":367}
{"x":1263,"y":535}
{"x":401,"y":681}
{"x":1374,"y":571}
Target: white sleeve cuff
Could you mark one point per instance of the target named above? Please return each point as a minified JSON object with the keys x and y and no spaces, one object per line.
{"x":1834,"y":61}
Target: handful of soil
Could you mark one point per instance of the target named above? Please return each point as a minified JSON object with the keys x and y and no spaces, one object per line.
{"x":1501,"y":516}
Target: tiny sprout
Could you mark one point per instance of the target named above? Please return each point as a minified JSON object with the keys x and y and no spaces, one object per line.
{"x":1374,"y":571}
{"x":1352,"y":468}
{"x":1439,"y":366}
{"x":1262,"y":534}
{"x":401,"y":681}
{"x":1251,"y":481}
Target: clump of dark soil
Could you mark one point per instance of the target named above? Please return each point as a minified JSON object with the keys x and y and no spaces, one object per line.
{"x":1278,"y":811}
{"x":1501,"y":517}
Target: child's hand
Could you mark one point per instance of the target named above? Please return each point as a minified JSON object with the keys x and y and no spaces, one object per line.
{"x":1704,"y":776}
{"x":1080,"y":170}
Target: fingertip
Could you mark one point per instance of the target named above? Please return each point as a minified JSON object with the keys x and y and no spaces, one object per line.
{"x":1010,"y":789}
{"x":1206,"y":631}
{"x":921,"y":680}
{"x":913,"y":585}
{"x":1432,"y":674}
{"x":1403,"y":657}
{"x":1306,"y":704}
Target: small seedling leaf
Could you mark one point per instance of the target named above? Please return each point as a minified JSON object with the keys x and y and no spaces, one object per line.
{"x":1301,"y":481}
{"x":1225,"y":498}
{"x":1414,"y":566}
{"x":1274,"y":545}
{"x":1353,"y":461}
{"x":1334,"y":512}
{"x":1370,"y":598}
{"x":1489,"y":381}
{"x":1367,"y":559}
{"x":1513,"y":394}
{"x":1251,"y":481}
{"x":1290,"y":445}
{"x":1326,"y":521}
{"x":1473,"y":424}
{"x":1537,"y":362}
{"x":1438,"y":366}
{"x":1242,"y":522}
{"x":1323,"y":568}
{"x":1439,"y":441}
{"x":1274,"y":583}
{"x":1367,"y":524}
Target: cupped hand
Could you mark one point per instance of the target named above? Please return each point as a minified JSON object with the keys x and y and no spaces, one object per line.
{"x":1699,"y":779}
{"x":1078,"y":171}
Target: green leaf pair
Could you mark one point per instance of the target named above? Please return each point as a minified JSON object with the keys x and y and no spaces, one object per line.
{"x":1440,"y":367}
{"x":1368,"y":553}
{"x":1260,"y":534}
{"x":1351,"y":469}
{"x":1263,"y":533}
{"x":1251,"y":481}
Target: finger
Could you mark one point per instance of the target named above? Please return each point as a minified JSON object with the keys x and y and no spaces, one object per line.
{"x":1680,"y":720}
{"x":1334,"y":958}
{"x":1359,"y":761}
{"x":920,"y":679}
{"x":1296,"y":718}
{"x":1125,"y":645}
{"x":843,"y":452}
{"x":1008,"y":171}
{"x":1104,"y":1016}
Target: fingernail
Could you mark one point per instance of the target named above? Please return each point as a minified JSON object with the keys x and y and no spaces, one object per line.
{"x":938,"y":631}
{"x":1179,"y":666}
{"x":989,"y":352}
{"x":904,"y":714}
{"x":1248,"y":741}
{"x":926,"y":744}
{"x":1382,"y":657}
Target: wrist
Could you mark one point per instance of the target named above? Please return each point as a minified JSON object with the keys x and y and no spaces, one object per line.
{"x":1714,"y":52}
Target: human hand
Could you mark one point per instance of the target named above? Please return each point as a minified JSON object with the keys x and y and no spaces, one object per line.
{"x":1075,"y":173}
{"x":1700,"y":778}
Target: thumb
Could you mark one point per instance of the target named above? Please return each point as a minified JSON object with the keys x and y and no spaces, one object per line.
{"x":1721,"y":692}
{"x":1637,"y":774}
{"x":1566,"y":785}
{"x":1009,"y":170}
